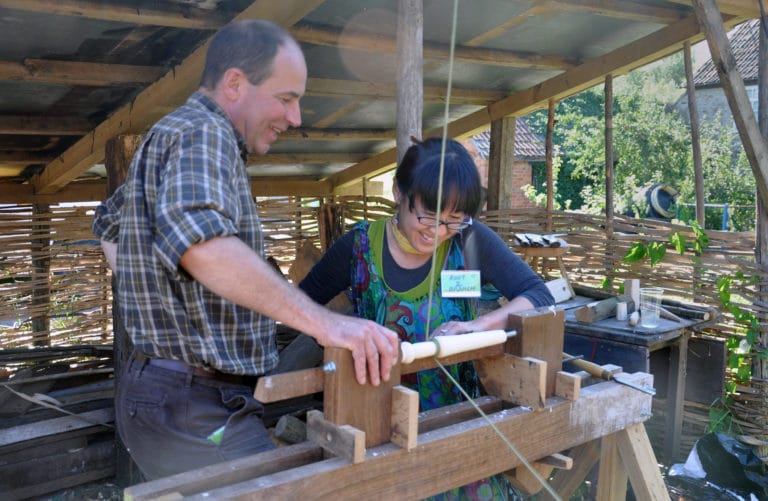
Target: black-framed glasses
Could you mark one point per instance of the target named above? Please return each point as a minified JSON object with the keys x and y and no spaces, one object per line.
{"x":451,"y":225}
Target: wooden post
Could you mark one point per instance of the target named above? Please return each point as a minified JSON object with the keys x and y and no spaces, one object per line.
{"x":609,"y":154}
{"x":118,"y":153}
{"x":410,"y":81}
{"x":675,"y":401}
{"x":540,"y":334}
{"x":611,"y":477}
{"x":640,"y":463}
{"x":501,"y":163}
{"x":549,"y":151}
{"x":41,"y":269}
{"x":346,"y":402}
{"x":693,"y":113}
{"x":760,"y":366}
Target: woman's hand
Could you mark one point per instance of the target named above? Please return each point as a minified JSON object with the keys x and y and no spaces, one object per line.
{"x":496,"y":319}
{"x":454,"y":327}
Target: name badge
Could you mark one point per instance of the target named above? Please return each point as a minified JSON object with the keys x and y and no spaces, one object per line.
{"x":460,"y":283}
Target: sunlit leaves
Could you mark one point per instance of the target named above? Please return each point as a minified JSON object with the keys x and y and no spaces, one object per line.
{"x":635,"y":253}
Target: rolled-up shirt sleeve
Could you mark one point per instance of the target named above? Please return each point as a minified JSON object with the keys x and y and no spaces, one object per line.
{"x":106,"y":220}
{"x":196,"y":199}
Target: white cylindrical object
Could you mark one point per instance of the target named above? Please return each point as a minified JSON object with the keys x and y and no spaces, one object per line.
{"x":412,"y":351}
{"x":443,"y":346}
{"x":621,"y":311}
{"x":450,"y":345}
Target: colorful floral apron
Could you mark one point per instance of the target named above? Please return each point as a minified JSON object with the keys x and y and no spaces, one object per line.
{"x":407,"y":313}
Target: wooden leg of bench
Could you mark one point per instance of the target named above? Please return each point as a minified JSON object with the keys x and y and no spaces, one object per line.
{"x":640,"y":463}
{"x":565,"y":482}
{"x":612,"y":476}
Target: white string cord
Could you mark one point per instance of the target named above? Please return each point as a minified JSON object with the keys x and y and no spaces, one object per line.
{"x":438,"y":209}
{"x":433,"y":268}
{"x":498,"y":432}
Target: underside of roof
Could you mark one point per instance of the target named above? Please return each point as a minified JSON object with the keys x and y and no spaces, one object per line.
{"x":76,"y":73}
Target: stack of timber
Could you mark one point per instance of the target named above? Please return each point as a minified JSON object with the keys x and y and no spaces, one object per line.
{"x":56,"y":419}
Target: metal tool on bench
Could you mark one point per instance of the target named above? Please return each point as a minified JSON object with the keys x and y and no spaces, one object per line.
{"x":595,"y":370}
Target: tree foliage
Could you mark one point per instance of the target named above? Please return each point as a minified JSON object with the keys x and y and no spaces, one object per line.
{"x":651,"y":144}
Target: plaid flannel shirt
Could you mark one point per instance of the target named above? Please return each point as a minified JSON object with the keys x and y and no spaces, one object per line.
{"x":186,"y":184}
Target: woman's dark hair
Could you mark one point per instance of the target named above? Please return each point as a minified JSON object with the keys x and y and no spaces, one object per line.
{"x":250,"y":46}
{"x":418,"y":175}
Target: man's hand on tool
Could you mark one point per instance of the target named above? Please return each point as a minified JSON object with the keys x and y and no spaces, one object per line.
{"x":375,"y":349}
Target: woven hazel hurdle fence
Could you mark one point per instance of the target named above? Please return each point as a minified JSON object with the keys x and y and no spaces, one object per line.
{"x":54,"y":283}
{"x":56,"y":287}
{"x":596,"y":252}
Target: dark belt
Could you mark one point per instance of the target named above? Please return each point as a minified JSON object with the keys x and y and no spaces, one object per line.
{"x":185,"y":368}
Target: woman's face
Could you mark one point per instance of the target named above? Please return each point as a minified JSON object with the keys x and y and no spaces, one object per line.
{"x":422,"y":227}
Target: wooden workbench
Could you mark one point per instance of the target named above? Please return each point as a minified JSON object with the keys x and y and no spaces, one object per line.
{"x":610,"y":341}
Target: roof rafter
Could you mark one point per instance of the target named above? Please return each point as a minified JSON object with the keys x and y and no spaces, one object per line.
{"x":624,"y":9}
{"x":371,"y":91}
{"x":175,"y":15}
{"x":747,"y":9}
{"x":306,"y":158}
{"x":144,"y":110}
{"x":313,"y":134}
{"x":34,"y":125}
{"x":320,"y":35}
{"x":78,"y":73}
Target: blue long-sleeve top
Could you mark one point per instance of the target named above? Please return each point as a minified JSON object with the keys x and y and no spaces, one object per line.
{"x":483,"y":250}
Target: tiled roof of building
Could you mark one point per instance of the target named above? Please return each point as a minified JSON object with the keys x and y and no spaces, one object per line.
{"x":528,"y":146}
{"x":744,"y":44}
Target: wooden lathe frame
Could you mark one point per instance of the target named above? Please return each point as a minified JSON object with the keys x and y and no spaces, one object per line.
{"x":427,"y":453}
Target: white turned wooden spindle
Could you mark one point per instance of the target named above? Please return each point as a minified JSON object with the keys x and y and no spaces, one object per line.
{"x":443,"y":346}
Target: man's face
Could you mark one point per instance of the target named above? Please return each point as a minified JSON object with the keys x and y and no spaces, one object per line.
{"x":265,"y":110}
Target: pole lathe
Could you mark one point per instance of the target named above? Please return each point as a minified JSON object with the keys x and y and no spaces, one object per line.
{"x":415,"y":454}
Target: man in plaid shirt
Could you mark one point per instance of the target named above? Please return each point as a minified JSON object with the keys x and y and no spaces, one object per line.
{"x":197,"y":297}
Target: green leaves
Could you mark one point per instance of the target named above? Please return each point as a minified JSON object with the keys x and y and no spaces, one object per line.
{"x":719,"y":419}
{"x":677,"y":240}
{"x":740,"y":347}
{"x":654,"y":250}
{"x":702,"y":240}
{"x":635,"y":253}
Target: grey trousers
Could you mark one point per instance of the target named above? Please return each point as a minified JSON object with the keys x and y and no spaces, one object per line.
{"x":172,"y":422}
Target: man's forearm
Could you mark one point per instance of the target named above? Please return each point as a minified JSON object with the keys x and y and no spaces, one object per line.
{"x":229,"y":268}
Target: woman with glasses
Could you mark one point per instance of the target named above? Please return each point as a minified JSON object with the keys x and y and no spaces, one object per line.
{"x":386,"y":267}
